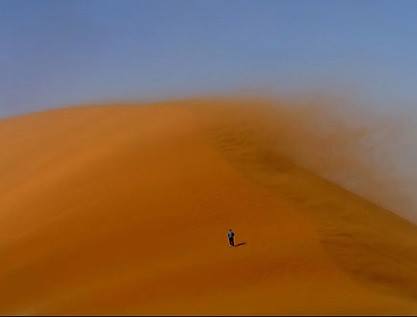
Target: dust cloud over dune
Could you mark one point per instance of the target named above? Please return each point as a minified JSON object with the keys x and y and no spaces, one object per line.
{"x":124,"y":209}
{"x":368,"y":152}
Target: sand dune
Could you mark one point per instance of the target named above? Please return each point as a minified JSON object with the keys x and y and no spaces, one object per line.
{"x":124,"y":210}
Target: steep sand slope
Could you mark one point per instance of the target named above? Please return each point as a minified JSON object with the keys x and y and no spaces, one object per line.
{"x":124,"y":210}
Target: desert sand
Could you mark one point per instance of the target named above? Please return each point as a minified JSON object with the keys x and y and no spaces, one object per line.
{"x":124,"y":209}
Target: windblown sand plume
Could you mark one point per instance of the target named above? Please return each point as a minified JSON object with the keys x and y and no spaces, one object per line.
{"x":124,"y":209}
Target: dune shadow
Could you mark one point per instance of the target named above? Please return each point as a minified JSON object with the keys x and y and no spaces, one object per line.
{"x":240,"y":244}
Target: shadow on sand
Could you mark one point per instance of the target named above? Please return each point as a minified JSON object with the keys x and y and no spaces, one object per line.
{"x":240,"y":244}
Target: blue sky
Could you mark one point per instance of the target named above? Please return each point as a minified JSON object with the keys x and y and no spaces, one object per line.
{"x":61,"y":52}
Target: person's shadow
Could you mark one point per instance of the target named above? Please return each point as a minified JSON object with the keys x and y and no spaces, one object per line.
{"x":240,"y":244}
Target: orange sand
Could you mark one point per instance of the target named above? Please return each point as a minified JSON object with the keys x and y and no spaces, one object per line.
{"x":124,"y":210}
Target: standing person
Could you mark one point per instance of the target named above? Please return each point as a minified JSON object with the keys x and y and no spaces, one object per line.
{"x":231,"y":237}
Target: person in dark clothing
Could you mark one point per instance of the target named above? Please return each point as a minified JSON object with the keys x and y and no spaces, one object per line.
{"x":231,"y":237}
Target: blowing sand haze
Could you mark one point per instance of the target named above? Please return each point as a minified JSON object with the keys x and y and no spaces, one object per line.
{"x":124,"y":209}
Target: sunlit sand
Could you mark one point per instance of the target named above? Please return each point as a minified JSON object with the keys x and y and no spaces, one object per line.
{"x":124,"y":209}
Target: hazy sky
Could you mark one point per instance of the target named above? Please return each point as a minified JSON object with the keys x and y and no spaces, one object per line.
{"x":60,"y":51}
